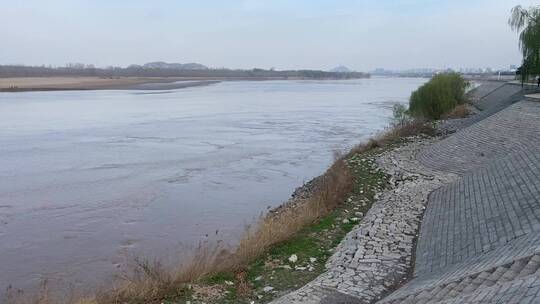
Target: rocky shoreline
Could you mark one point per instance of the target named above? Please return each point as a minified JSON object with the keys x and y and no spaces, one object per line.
{"x":377,"y":255}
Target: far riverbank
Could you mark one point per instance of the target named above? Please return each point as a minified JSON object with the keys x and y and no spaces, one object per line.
{"x":83,"y":83}
{"x":27,"y":84}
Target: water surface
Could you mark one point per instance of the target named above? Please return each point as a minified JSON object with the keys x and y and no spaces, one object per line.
{"x":92,"y":177}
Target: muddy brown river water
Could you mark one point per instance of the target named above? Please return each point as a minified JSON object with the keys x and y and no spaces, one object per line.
{"x":89,"y":179}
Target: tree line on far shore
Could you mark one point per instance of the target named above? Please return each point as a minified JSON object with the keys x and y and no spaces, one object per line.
{"x":139,"y":71}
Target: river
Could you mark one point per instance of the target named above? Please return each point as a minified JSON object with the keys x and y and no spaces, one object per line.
{"x":92,"y":178}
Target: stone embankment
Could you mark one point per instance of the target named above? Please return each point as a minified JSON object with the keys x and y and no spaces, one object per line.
{"x":479,"y":240}
{"x":376,"y":256}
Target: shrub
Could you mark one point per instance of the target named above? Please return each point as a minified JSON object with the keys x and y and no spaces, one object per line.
{"x":461,"y":111}
{"x":438,"y":96}
{"x":400,"y":115}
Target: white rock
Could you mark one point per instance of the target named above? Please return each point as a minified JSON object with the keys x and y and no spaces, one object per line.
{"x":312,"y":260}
{"x":268,"y":288}
{"x":345,"y":221}
{"x":293,"y":258}
{"x":229,"y":283}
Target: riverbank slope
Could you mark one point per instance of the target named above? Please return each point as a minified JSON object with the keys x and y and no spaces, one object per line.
{"x":479,"y":236}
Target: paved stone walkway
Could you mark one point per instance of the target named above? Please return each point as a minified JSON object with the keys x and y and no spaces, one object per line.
{"x":487,"y":99}
{"x":488,"y":218}
{"x":497,"y":99}
{"x":376,"y":255}
{"x":484,"y":89}
{"x":486,"y":208}
{"x":480,"y":236}
{"x":509,"y":131}
{"x":516,"y":249}
{"x":525,"y":291}
{"x":514,"y":282}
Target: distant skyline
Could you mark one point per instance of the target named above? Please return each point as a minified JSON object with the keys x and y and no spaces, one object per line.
{"x":310,"y":34}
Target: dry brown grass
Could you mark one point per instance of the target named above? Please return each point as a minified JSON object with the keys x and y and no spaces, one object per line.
{"x":395,"y":133}
{"x":151,"y":282}
{"x":280,"y":225}
{"x":460,"y":111}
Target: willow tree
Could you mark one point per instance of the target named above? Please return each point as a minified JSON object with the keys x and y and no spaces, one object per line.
{"x":527,"y":23}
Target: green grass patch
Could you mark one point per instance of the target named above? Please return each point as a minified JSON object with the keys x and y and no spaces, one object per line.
{"x":325,"y":223}
{"x":219,"y":278}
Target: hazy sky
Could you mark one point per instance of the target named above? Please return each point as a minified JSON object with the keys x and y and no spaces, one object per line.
{"x":318,"y":34}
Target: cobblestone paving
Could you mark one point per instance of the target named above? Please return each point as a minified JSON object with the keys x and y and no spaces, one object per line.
{"x":519,"y":248}
{"x":510,"y":283}
{"x":476,"y":227}
{"x":484,"y":89}
{"x":376,"y":255}
{"x":488,"y":99}
{"x":524,"y":291}
{"x":509,"y":131}
{"x":489,"y":217}
{"x":484,"y":209}
{"x":498,"y":98}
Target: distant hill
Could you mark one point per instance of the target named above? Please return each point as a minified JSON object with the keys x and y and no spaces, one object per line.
{"x":340,"y":69}
{"x":171,"y":66}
